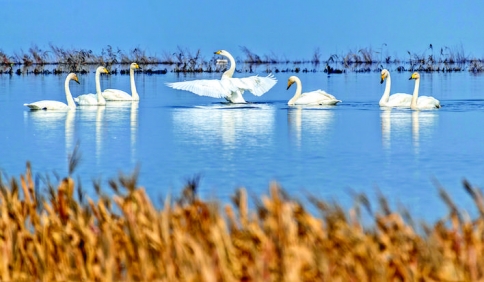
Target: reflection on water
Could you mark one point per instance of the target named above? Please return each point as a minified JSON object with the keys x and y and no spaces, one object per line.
{"x":225,"y":123}
{"x":133,"y":118}
{"x":48,"y":123}
{"x":112,"y":119}
{"x":69,"y":131}
{"x":422,"y":122}
{"x":311,"y":119}
{"x":94,"y":114}
{"x":398,"y":122}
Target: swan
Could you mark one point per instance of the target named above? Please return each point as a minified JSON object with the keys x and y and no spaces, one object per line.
{"x":394,"y":100}
{"x":227,"y":87}
{"x":93,"y":99}
{"x":55,"y":105}
{"x":119,"y":95}
{"x":422,"y":102}
{"x":318,"y":97}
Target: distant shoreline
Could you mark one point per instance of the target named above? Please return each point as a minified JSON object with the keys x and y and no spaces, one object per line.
{"x":58,"y":60}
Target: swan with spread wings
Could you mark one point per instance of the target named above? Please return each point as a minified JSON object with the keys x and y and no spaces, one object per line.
{"x":227,"y":87}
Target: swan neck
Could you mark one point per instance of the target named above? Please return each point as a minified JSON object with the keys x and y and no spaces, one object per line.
{"x":231,"y":70}
{"x":298,"y":92}
{"x":70,"y":100}
{"x":100,"y":98}
{"x":386,"y":93}
{"x":413,"y":104}
{"x":134,"y":93}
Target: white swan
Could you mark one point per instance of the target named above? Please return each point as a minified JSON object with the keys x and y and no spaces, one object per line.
{"x":422,"y":102}
{"x":318,"y":97}
{"x":394,"y":100}
{"x":55,"y":105}
{"x":93,"y":99}
{"x":119,"y":95}
{"x":227,"y":87}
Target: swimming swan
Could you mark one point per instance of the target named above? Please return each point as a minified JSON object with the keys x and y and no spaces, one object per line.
{"x":119,"y":95}
{"x":394,"y":100}
{"x":55,"y":105}
{"x":422,"y":102}
{"x":93,"y":99}
{"x":227,"y":87}
{"x":318,"y":97}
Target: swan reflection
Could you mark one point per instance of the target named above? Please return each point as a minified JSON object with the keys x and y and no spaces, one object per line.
{"x":398,"y":122}
{"x":49,"y":123}
{"x":225,"y":123}
{"x":111,"y":120}
{"x":93,"y":114}
{"x":314,"y":120}
{"x":117,"y":112}
{"x":422,"y":122}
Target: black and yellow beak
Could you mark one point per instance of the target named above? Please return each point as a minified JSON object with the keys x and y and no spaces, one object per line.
{"x":289,"y":83}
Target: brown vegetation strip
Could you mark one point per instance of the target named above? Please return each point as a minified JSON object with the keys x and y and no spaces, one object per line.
{"x":184,"y":61}
{"x":125,"y":238}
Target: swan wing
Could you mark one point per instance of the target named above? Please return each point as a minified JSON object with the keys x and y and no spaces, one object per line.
{"x":427,"y":102}
{"x":86,"y":99}
{"x":204,"y":87}
{"x":116,"y":95}
{"x":399,"y":100}
{"x":255,"y":84}
{"x":47,"y":105}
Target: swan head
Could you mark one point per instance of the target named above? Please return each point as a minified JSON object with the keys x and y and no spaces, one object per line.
{"x":73,"y":76}
{"x":134,"y":66}
{"x":291,"y":81}
{"x":415,"y":76}
{"x":102,"y":69}
{"x":222,"y":52}
{"x":384,"y":75}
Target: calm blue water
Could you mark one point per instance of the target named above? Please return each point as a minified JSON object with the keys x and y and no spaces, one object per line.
{"x":324,"y":151}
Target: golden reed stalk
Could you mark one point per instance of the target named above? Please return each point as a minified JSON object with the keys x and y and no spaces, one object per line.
{"x":126,"y":238}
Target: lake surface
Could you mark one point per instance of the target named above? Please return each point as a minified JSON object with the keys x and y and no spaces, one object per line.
{"x":323,"y":151}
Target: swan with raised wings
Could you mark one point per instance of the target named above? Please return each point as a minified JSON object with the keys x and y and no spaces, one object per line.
{"x":318,"y":97}
{"x":93,"y":99}
{"x":120,"y":95}
{"x":56,"y":105}
{"x":227,"y":87}
{"x":422,"y":102}
{"x":394,"y":100}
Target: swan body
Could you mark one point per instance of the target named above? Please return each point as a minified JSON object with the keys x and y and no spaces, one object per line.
{"x":56,"y":105}
{"x":422,"y":102}
{"x":318,"y":97}
{"x":119,"y":95}
{"x":227,"y":87}
{"x":394,"y":100}
{"x":93,"y":99}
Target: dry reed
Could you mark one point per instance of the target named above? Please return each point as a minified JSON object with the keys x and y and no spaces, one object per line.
{"x":126,"y":238}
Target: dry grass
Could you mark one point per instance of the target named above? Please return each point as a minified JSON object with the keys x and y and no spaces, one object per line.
{"x":126,"y":238}
{"x":184,"y":61}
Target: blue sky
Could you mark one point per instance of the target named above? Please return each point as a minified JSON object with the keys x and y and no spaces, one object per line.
{"x":292,"y":29}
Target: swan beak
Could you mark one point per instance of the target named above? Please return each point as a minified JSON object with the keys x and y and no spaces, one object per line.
{"x":217,"y":53}
{"x":289,"y":83}
{"x":76,"y":80}
{"x":382,"y":79}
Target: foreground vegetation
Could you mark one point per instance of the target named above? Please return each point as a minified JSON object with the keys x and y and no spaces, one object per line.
{"x":60,"y":235}
{"x":182,"y":60}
